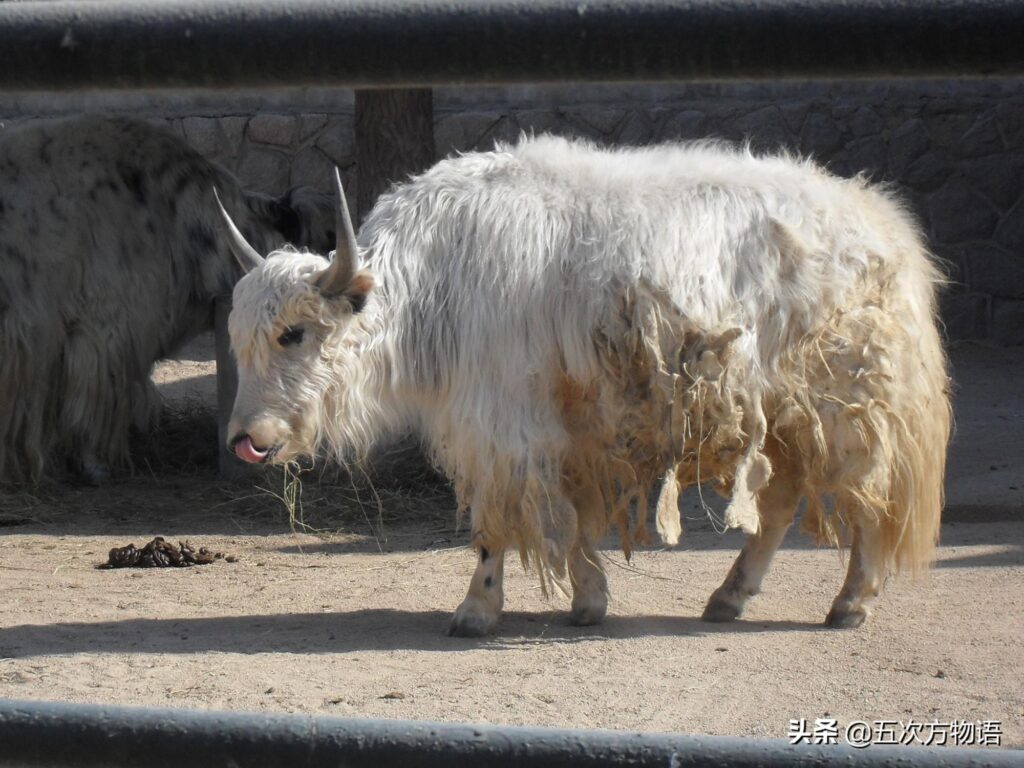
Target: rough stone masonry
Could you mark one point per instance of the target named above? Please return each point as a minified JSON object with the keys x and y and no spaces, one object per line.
{"x":954,"y":148}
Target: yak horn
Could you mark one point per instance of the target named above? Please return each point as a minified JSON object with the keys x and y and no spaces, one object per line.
{"x":247,"y":256}
{"x":338,"y":276}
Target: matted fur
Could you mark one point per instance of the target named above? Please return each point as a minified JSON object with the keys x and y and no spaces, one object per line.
{"x":111,"y":251}
{"x":562,"y":324}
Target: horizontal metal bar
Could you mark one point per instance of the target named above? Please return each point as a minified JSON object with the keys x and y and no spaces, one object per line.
{"x":60,"y":44}
{"x":36,"y":734}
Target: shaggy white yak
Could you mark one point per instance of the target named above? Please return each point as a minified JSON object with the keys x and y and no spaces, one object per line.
{"x":566,"y":325}
{"x":111,"y":253}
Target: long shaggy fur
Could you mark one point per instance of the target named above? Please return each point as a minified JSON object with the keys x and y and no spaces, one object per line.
{"x":111,"y":251}
{"x":563,"y":324}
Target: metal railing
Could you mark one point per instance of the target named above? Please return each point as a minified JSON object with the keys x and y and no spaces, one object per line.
{"x":37,"y":734}
{"x":260,"y":43}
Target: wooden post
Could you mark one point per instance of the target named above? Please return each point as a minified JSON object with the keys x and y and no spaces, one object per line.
{"x":394,"y":138}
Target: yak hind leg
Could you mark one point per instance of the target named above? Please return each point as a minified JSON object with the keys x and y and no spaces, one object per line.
{"x":589,"y":584}
{"x":478,"y":614}
{"x":586,"y":575}
{"x":864,"y":578}
{"x":777,"y":505}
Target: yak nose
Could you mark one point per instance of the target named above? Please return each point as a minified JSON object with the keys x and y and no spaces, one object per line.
{"x":247,"y":451}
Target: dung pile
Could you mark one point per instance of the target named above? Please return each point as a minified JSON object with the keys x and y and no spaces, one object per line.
{"x":160,"y":553}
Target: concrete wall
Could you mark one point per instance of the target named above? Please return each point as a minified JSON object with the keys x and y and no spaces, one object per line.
{"x":954,"y":149}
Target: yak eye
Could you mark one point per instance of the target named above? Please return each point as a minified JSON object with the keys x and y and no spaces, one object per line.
{"x":291,"y":336}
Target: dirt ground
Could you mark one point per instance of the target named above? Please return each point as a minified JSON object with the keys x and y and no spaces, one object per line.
{"x":351,"y":620}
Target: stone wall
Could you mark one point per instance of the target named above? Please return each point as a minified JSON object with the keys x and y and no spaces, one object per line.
{"x":953,"y":149}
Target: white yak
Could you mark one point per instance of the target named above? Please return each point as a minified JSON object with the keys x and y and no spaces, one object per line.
{"x":564,"y":326}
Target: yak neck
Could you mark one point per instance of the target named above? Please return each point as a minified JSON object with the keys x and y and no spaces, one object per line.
{"x":361,"y":403}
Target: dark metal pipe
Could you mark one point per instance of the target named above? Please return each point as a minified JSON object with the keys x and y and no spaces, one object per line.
{"x":59,"y":44}
{"x":36,"y":734}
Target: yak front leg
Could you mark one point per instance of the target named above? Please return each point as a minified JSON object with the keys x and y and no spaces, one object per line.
{"x":864,"y":578}
{"x":478,"y":613}
{"x":776,"y":506}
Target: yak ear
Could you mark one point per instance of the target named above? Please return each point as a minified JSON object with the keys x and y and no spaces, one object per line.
{"x":248,"y":257}
{"x":359,"y":288}
{"x":339,"y":275}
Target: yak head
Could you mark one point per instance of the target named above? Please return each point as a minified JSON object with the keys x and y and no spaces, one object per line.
{"x":302,"y":216}
{"x":290,"y":312}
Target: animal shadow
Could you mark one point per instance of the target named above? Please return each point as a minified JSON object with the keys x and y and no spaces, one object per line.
{"x":344,"y":632}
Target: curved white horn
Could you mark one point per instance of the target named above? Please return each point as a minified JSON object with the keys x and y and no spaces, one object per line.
{"x":337,"y":277}
{"x":247,"y":256}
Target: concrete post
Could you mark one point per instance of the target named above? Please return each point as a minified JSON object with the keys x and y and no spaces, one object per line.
{"x":227,"y":385}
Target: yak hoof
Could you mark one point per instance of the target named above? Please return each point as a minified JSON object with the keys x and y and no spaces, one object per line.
{"x":471,"y":626}
{"x":94,"y":473}
{"x":588,"y":615}
{"x":849,"y":618}
{"x":472,"y":619}
{"x":720,"y":610}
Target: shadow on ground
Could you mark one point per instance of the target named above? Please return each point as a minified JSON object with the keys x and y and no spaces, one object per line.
{"x":1010,"y":557}
{"x":375,"y":629}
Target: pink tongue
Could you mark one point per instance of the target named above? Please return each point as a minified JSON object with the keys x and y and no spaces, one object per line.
{"x":246,"y":451}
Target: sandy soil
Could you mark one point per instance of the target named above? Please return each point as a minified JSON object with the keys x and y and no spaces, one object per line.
{"x":352,"y":621}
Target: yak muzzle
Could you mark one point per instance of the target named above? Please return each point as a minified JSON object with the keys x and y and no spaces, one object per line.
{"x":247,"y":451}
